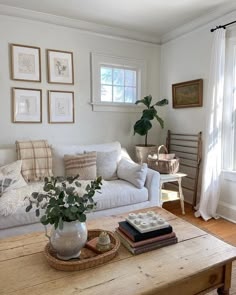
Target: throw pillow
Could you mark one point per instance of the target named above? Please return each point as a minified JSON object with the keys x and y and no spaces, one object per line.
{"x":5,"y":183}
{"x":132,"y":172}
{"x":84,"y":165}
{"x":10,"y":177}
{"x":107,"y":164}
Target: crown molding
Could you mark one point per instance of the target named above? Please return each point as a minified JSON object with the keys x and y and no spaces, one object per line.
{"x":223,"y":15}
{"x":89,"y":27}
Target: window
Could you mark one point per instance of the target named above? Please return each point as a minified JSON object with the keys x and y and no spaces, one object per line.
{"x":117,"y":83}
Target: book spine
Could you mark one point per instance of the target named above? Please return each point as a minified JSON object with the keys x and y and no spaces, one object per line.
{"x":140,"y":237}
{"x":127,"y":233}
{"x":154,"y":246}
{"x":124,"y":242}
{"x":147,"y":241}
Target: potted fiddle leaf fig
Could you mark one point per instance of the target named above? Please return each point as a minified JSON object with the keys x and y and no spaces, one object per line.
{"x":144,"y":125}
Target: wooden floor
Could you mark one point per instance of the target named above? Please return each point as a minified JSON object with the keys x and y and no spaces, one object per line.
{"x":220,"y":228}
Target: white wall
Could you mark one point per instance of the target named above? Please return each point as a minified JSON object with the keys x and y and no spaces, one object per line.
{"x":89,"y":127}
{"x":183,"y":59}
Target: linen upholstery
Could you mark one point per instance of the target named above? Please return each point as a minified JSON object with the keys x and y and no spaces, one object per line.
{"x":36,"y":159}
{"x":83,"y":165}
{"x":132,"y":172}
{"x":107,"y":164}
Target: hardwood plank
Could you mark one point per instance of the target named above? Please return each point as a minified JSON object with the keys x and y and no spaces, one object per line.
{"x":38,"y":278}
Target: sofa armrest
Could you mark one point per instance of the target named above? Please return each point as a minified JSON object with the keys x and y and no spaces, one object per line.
{"x":152,"y":183}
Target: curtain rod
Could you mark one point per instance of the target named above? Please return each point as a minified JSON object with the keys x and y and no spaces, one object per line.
{"x":223,"y":27}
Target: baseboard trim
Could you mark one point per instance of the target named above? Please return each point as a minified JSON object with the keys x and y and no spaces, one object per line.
{"x":227,"y":211}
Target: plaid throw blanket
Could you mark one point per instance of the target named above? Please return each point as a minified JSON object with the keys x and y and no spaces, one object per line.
{"x":36,"y":159}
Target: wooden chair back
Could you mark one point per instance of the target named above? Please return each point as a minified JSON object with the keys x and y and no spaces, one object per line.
{"x":188,"y":147}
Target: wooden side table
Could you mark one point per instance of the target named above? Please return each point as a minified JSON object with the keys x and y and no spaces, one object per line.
{"x":172,"y":178}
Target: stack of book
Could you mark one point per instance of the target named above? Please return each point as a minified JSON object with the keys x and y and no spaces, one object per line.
{"x":144,"y":232}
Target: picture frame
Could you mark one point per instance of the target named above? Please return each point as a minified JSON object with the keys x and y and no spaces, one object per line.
{"x":187,"y":94}
{"x":60,"y":106}
{"x":25,"y":63}
{"x":26,"y":105}
{"x":60,"y":67}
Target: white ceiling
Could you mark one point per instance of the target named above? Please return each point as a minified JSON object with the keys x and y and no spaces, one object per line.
{"x":153,"y":17}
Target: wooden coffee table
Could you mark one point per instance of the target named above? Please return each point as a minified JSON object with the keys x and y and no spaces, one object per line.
{"x":197,"y":264}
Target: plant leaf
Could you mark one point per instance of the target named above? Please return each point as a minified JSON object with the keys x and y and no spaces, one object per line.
{"x":162,"y":102}
{"x":28,"y":208}
{"x":142,"y":126}
{"x":37,"y":212}
{"x":60,"y":224}
{"x":160,"y":121}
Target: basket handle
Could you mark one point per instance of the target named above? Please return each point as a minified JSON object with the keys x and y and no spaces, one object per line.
{"x":161,"y":147}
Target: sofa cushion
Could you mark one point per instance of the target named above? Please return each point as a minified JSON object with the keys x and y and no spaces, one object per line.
{"x":36,"y":159}
{"x":58,"y":153}
{"x":83,"y":165}
{"x":132,"y":172}
{"x":107,"y":164}
{"x":118,"y":193}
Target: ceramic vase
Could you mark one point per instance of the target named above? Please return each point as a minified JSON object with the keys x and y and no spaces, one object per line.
{"x":69,"y":241}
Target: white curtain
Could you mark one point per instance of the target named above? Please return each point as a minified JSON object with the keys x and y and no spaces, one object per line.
{"x":213,"y":132}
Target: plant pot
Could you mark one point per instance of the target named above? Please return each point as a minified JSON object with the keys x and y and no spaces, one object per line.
{"x":143,"y":151}
{"x":69,"y":241}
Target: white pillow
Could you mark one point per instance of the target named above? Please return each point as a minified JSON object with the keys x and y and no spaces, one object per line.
{"x":10,"y":177}
{"x":107,"y":164}
{"x":132,"y":172}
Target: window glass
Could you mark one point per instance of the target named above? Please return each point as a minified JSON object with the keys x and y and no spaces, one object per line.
{"x":118,"y":84}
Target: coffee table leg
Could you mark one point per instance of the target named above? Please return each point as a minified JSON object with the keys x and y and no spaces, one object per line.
{"x":224,"y":290}
{"x":181,"y":196}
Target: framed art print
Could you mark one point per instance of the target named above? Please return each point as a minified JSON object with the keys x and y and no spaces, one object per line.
{"x":60,"y":67}
{"x":27,"y":105}
{"x":60,"y":106}
{"x":25,"y":63}
{"x":187,"y":94}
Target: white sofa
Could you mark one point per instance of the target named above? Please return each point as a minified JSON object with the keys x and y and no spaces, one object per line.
{"x":116,"y":196}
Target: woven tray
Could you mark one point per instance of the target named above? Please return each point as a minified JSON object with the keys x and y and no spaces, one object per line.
{"x":87,"y":258}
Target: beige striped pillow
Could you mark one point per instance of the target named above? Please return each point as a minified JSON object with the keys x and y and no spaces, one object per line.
{"x":84,"y":165}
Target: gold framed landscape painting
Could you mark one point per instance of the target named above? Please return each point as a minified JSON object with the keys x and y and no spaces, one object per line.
{"x":187,"y":94}
{"x":25,"y":63}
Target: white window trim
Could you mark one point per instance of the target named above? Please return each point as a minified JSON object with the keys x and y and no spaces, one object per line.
{"x":99,"y":59}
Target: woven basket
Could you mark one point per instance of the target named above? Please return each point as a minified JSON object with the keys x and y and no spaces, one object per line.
{"x":87,"y":258}
{"x":169,"y":165}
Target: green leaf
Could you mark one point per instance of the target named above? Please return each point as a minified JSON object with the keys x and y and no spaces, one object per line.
{"x":70,"y":190}
{"x":162,"y":102}
{"x":44,"y":220}
{"x":60,"y":223}
{"x":71,"y":199}
{"x":28,"y":208}
{"x":34,"y":195}
{"x":146,"y":101}
{"x":142,"y":126}
{"x":78,"y":184}
{"x":149,"y":114}
{"x":37,"y":212}
{"x":82,"y":217}
{"x":52,"y":202}
{"x":160,"y":121}
{"x":73,"y":209}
